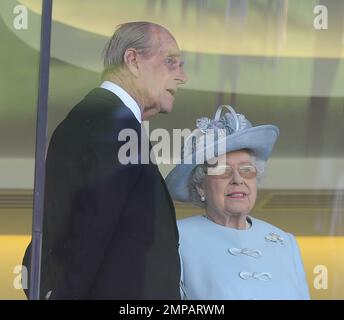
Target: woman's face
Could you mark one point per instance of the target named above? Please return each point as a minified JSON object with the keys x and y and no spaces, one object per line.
{"x":230,"y":194}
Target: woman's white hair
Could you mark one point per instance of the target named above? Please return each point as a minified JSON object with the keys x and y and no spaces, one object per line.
{"x":198,"y":174}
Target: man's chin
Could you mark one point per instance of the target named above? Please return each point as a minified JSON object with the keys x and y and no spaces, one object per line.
{"x":166,"y":109}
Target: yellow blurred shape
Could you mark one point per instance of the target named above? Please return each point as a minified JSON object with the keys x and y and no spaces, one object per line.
{"x":324,"y":251}
{"x":12,"y":248}
{"x":293,"y":36}
{"x":328,"y":252}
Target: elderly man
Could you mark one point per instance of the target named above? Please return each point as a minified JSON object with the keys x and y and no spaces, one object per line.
{"x":110,"y":228}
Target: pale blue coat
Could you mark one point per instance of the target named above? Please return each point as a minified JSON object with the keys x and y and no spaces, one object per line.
{"x":222,"y":263}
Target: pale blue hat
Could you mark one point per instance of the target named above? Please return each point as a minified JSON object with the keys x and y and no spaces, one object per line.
{"x":214,"y":137}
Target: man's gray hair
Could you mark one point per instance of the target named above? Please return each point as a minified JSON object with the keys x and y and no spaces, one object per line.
{"x":136,"y":35}
{"x":198,"y":174}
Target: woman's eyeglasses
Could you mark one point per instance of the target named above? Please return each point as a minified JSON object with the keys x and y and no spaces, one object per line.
{"x":246,"y":171}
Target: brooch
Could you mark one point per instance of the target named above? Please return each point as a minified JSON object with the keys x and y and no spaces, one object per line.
{"x":274,"y":237}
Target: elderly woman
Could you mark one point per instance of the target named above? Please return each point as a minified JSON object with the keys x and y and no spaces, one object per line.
{"x":226,"y":253}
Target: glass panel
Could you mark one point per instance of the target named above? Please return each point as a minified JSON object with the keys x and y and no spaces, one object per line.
{"x":271,"y":60}
{"x":19,"y":64}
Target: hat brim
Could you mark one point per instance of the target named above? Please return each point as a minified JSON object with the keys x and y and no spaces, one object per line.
{"x":260,"y":140}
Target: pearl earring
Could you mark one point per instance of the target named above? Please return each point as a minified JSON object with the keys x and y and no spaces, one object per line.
{"x":202,"y":198}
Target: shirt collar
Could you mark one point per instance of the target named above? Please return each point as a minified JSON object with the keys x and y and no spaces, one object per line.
{"x":125,"y":98}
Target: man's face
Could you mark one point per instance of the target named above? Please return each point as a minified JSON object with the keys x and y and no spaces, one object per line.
{"x":161,"y":74}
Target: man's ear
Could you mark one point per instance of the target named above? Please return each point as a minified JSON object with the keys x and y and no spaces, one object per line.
{"x":200,"y":190}
{"x":130,"y":59}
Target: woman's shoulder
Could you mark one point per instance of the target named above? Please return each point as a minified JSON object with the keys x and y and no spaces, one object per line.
{"x":270,"y":228}
{"x":191,"y":223}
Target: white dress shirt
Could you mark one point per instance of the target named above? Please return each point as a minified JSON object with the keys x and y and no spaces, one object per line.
{"x":125,"y":98}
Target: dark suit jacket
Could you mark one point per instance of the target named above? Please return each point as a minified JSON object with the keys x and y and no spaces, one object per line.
{"x":109,"y":229}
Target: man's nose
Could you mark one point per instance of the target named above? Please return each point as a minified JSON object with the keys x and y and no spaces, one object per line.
{"x":181,"y":77}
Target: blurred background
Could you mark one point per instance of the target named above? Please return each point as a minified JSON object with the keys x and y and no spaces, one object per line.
{"x":266,"y":58}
